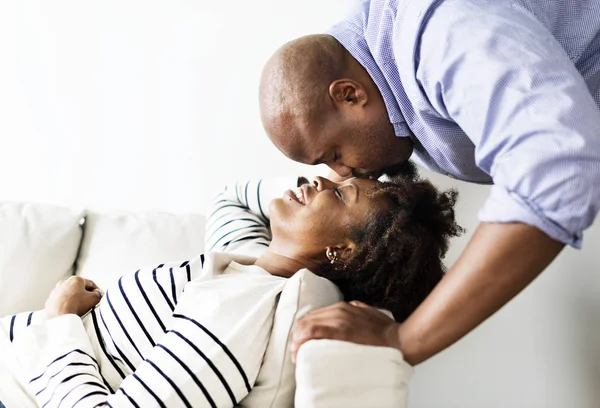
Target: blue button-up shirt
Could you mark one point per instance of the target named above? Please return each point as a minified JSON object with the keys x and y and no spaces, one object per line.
{"x":502,"y":91}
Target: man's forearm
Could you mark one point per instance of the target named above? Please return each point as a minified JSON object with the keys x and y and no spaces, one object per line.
{"x":499,"y":262}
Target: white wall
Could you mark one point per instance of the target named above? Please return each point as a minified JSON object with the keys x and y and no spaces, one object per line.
{"x":542,"y":350}
{"x":139,"y":104}
{"x":152,"y":104}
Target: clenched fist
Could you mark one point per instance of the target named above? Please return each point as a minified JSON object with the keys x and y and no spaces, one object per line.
{"x":75,"y":295}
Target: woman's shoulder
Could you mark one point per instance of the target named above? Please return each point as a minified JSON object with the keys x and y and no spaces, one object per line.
{"x":227,"y":285}
{"x":234,"y":268}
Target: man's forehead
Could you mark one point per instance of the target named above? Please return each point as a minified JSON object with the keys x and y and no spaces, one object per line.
{"x":306,"y":152}
{"x":298,"y":145}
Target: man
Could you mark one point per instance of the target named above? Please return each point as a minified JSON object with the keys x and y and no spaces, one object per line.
{"x":504,"y":92}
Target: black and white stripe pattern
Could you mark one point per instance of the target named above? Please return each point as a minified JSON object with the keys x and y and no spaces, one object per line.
{"x":15,"y":324}
{"x":238,"y":219}
{"x":152,"y":350}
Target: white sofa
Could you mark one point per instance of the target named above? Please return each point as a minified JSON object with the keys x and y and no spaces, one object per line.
{"x":42,"y":244}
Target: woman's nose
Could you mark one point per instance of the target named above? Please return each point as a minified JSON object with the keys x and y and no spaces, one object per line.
{"x":321,"y":183}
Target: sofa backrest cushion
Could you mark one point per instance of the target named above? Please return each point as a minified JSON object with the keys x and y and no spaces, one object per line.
{"x":118,"y":242}
{"x":38,"y":247}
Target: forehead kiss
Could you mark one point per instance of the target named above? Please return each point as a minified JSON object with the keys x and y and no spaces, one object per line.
{"x":345,"y":158}
{"x":318,"y":151}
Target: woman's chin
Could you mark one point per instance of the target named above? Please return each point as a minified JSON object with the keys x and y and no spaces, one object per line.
{"x":278,"y":211}
{"x":282,"y":208}
{"x":275,"y":207}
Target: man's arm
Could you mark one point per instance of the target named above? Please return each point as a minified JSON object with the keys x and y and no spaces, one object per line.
{"x":536,"y":130}
{"x":499,"y":262}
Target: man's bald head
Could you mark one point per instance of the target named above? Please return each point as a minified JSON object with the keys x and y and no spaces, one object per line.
{"x":317,"y":102}
{"x":296,"y":78}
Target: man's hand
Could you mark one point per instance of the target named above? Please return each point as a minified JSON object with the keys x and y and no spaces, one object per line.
{"x":354,"y":322}
{"x":75,"y":295}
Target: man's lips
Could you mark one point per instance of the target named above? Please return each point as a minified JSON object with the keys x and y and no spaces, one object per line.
{"x":371,"y":175}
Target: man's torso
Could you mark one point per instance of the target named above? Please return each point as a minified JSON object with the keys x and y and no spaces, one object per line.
{"x":440,"y":144}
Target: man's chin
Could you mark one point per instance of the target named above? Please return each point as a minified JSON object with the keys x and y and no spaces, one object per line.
{"x":405,"y":169}
{"x":367,"y":174}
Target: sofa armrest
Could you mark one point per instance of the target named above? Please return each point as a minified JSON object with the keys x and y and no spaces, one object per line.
{"x":333,"y":373}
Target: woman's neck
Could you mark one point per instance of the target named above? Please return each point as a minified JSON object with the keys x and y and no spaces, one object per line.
{"x":283,"y":265}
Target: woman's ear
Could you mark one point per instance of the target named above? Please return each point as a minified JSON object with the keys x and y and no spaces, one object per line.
{"x":347,"y":92}
{"x":340,"y":253}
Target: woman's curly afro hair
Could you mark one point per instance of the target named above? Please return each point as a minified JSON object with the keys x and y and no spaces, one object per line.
{"x":398,"y":256}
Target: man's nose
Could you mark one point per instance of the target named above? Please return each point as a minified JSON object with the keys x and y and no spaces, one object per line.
{"x":340,"y":169}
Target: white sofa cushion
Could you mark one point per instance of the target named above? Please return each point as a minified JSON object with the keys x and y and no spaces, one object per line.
{"x":275,"y":384}
{"x":38,"y":247}
{"x":333,"y":373}
{"x":115,"y":243}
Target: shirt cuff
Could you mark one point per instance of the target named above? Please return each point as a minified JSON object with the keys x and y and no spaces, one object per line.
{"x":41,"y":343}
{"x":505,"y":206}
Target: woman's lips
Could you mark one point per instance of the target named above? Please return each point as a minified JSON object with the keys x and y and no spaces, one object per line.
{"x":297,"y":196}
{"x":301,"y":194}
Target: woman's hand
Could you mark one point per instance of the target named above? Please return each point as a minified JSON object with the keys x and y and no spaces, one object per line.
{"x":355,"y":322}
{"x":75,"y":295}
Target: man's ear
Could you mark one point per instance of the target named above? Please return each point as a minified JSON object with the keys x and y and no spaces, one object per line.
{"x":340,"y":253}
{"x":347,"y":91}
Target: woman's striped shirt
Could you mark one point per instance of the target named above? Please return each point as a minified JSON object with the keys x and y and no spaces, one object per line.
{"x":181,"y":334}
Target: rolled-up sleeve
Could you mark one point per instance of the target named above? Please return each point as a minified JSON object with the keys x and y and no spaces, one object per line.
{"x":502,"y":77}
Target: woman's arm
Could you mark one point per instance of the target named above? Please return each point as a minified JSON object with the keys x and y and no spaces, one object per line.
{"x":15,"y":324}
{"x":209,"y":357}
{"x":238,"y":220}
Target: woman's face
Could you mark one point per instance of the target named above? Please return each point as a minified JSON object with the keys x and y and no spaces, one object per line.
{"x":319,"y":215}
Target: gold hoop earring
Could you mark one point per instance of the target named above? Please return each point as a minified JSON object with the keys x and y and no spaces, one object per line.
{"x":334,"y":257}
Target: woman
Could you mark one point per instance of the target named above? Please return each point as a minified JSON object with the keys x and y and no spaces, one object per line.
{"x":153,"y":339}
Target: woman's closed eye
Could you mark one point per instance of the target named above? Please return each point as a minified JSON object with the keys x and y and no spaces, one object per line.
{"x":338,"y":192}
